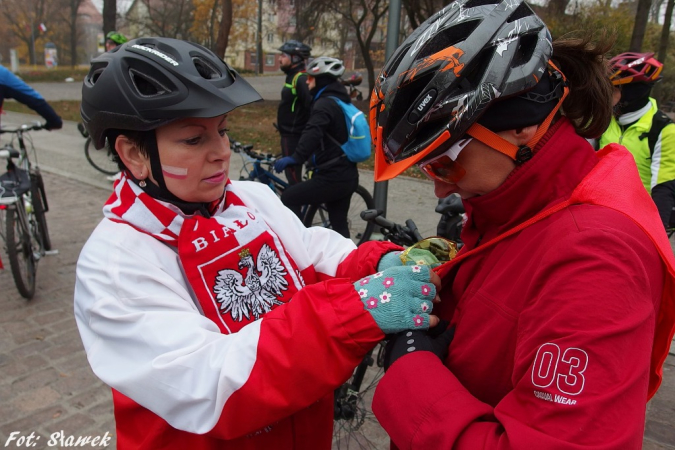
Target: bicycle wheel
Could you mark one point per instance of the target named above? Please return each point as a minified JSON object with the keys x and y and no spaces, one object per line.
{"x":359,"y":230}
{"x":39,"y":201}
{"x":20,"y":251}
{"x":354,"y":424}
{"x":100,"y":159}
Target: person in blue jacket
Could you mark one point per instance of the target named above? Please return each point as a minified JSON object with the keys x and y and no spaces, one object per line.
{"x":14,"y":87}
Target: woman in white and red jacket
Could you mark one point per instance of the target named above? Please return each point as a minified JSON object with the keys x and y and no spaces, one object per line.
{"x":562,"y":300}
{"x":217,"y":318}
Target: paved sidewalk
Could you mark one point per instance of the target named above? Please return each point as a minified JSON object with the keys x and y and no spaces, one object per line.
{"x":46,"y":385}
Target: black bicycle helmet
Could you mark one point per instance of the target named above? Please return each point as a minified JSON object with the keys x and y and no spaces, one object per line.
{"x":296,"y":48}
{"x":448,"y":72}
{"x":149,"y":82}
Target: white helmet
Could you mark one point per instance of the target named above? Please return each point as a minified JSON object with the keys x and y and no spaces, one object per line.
{"x":325,"y":65}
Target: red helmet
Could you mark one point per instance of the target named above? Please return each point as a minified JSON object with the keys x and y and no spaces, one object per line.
{"x":632,"y":67}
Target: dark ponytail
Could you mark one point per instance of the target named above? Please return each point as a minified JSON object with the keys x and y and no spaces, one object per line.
{"x":584,"y":63}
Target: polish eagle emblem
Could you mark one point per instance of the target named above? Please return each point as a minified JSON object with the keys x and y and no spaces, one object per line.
{"x":255,"y":293}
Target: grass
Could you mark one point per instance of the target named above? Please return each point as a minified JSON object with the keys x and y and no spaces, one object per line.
{"x":250,"y":124}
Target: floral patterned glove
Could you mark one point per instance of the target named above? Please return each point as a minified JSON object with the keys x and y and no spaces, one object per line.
{"x":417,"y":256}
{"x":399,"y":298}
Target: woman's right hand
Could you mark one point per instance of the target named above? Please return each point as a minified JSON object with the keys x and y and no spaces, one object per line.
{"x":400,"y":298}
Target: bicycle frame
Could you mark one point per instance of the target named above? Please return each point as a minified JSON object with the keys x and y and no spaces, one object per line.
{"x":23,"y":205}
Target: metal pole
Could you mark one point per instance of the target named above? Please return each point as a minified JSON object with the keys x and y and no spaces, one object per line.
{"x":393,"y":25}
{"x":32,"y":44}
{"x":258,"y":49}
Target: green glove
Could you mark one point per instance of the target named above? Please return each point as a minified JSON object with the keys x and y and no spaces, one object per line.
{"x":416,"y":256}
{"x":399,"y":298}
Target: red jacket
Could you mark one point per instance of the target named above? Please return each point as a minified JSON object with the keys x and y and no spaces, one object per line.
{"x":555,"y":324}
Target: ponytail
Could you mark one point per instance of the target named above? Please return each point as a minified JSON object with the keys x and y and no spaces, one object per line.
{"x":589,"y":103}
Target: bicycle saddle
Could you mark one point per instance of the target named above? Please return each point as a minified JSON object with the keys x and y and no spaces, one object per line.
{"x":354,"y":80}
{"x":451,"y":204}
{"x":14,"y":183}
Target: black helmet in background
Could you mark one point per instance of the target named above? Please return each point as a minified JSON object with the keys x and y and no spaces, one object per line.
{"x":149,"y":82}
{"x":296,"y":48}
{"x":459,"y":62}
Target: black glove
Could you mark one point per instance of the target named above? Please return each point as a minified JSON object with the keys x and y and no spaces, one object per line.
{"x":437,"y":341}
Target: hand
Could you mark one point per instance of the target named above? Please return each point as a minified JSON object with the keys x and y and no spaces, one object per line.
{"x":400,"y":298}
{"x":281,"y":164}
{"x":416,"y":256}
{"x":53,"y":125}
{"x":436,"y":341}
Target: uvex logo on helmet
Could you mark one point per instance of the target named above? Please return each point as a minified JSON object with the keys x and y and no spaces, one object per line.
{"x":422,"y":106}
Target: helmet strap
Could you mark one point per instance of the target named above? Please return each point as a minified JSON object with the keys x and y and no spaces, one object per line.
{"x":522,"y":153}
{"x":160,"y":191}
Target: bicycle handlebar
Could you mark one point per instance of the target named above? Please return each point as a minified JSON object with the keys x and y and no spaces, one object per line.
{"x":238,"y":147}
{"x":398,"y":234}
{"x":25,"y":127}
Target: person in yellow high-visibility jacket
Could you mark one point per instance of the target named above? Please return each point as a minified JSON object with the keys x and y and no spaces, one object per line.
{"x":645,"y":131}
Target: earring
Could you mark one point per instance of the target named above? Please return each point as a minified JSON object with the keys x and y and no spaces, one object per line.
{"x":142,"y":183}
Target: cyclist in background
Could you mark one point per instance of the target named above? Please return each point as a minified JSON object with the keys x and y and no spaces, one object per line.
{"x":335,"y":178}
{"x":14,"y":87}
{"x":183,"y":291}
{"x":636,"y":115}
{"x":293,"y":111}
{"x":113,"y":39}
{"x":562,"y":297}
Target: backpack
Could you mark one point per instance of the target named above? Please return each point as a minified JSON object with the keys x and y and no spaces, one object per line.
{"x":358,"y":145}
{"x":659,"y":121}
{"x":293,"y":88}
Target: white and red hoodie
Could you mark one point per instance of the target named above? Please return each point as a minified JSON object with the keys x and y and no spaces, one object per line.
{"x":242,"y":356}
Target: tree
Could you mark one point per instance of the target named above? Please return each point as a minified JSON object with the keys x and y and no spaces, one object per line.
{"x":167,"y":18}
{"x":418,"y":11}
{"x":363,"y":17}
{"x":67,"y":13}
{"x":205,"y":24}
{"x":23,"y":18}
{"x":223,"y":38}
{"x":665,"y":32}
{"x":641,"y":18}
{"x":308,"y":14}
{"x":109,"y":16}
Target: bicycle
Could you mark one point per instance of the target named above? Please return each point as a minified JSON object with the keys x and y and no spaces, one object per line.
{"x":352,"y":400}
{"x":23,"y":205}
{"x":258,"y":167}
{"x":99,"y":159}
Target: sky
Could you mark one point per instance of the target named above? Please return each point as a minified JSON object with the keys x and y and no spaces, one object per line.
{"x":122,"y":5}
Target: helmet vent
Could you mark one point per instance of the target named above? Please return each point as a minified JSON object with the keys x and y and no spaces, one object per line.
{"x":147,"y":86}
{"x":95,"y":72}
{"x":407,"y":95}
{"x":521,"y":11}
{"x":476,"y":3}
{"x":206,"y":69}
{"x":394,"y":65}
{"x":448,"y":38}
{"x":526,"y":45}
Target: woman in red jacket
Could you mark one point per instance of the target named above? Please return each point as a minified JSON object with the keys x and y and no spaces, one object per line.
{"x":561,"y":299}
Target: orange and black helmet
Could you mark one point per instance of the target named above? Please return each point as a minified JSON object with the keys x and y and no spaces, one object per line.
{"x":448,"y":72}
{"x":632,"y":67}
